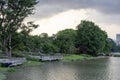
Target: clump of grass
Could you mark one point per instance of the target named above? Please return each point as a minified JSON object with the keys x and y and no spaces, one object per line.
{"x":32,"y":59}
{"x":2,"y":69}
{"x":7,"y":69}
{"x":117,"y":55}
{"x":11,"y":70}
{"x":31,"y":63}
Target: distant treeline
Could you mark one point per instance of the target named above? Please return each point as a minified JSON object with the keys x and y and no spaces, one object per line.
{"x":114,"y":46}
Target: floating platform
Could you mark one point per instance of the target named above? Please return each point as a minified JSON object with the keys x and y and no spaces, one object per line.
{"x":12,"y":62}
{"x":48,"y":58}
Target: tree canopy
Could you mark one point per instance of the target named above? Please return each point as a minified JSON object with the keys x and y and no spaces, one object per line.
{"x":12,"y":15}
{"x":65,"y":40}
{"x":91,"y":39}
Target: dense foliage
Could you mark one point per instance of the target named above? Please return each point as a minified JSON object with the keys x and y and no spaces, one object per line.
{"x":87,"y":39}
{"x":91,"y":39}
{"x":12,"y":15}
{"x":65,"y":40}
{"x":114,"y":47}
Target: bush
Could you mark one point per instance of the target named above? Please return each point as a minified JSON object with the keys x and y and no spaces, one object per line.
{"x":18,"y":54}
{"x":116,"y":55}
{"x":32,"y":59}
{"x":11,"y":70}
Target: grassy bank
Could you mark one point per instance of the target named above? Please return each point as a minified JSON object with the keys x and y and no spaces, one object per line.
{"x":32,"y":63}
{"x":75,"y":57}
{"x":2,"y":72}
{"x":116,"y":55}
{"x":2,"y":76}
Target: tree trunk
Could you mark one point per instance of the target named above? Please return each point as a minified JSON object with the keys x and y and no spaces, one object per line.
{"x":6,"y":47}
{"x":9,"y":47}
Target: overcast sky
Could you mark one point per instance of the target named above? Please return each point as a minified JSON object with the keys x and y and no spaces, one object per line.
{"x":55,"y":15}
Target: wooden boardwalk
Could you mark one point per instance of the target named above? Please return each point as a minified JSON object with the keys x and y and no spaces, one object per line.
{"x":48,"y":57}
{"x":12,"y":62}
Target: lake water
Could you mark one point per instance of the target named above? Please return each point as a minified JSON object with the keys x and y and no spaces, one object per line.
{"x":96,"y":69}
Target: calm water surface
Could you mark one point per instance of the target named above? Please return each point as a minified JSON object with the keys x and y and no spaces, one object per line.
{"x":97,"y":69}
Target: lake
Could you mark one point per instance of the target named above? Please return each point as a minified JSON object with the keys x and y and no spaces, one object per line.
{"x":95,"y":69}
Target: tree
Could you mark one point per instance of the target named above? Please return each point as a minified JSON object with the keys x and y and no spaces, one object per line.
{"x":65,"y":40}
{"x":47,"y":44}
{"x":12,"y":15}
{"x":114,"y":47}
{"x":91,"y":39}
{"x":108,"y":46}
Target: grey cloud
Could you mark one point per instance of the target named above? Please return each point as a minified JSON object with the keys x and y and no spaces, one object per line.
{"x":46,"y":8}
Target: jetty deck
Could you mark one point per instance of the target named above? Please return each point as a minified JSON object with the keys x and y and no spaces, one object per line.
{"x":12,"y":62}
{"x":48,"y":57}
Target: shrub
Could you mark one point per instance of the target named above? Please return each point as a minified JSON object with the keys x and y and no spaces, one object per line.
{"x":32,"y":59}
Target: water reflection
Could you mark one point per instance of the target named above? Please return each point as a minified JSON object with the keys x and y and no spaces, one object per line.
{"x":100,"y":69}
{"x":114,"y":68}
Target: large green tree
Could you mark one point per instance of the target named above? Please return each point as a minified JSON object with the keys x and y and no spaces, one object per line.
{"x":65,"y":40}
{"x":91,"y":39}
{"x":12,"y":15}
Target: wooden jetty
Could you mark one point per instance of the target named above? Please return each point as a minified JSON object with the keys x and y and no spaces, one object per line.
{"x":12,"y":62}
{"x":115,"y":54}
{"x":48,"y":57}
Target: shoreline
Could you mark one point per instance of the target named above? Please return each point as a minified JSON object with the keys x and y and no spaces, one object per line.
{"x":5,"y":70}
{"x":68,"y":58}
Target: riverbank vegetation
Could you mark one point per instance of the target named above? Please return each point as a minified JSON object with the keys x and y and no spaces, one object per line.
{"x":116,"y":54}
{"x":2,"y":76}
{"x":76,"y":57}
{"x":4,"y":70}
{"x":32,"y":63}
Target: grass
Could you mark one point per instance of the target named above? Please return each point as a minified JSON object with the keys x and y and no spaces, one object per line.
{"x":3,"y":69}
{"x":116,"y":55}
{"x":2,"y":73}
{"x":76,"y":57}
{"x":6,"y":69}
{"x":32,"y":63}
{"x":2,"y":76}
{"x":11,"y":70}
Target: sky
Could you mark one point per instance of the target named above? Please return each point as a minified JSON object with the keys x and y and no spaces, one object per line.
{"x":55,"y":15}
